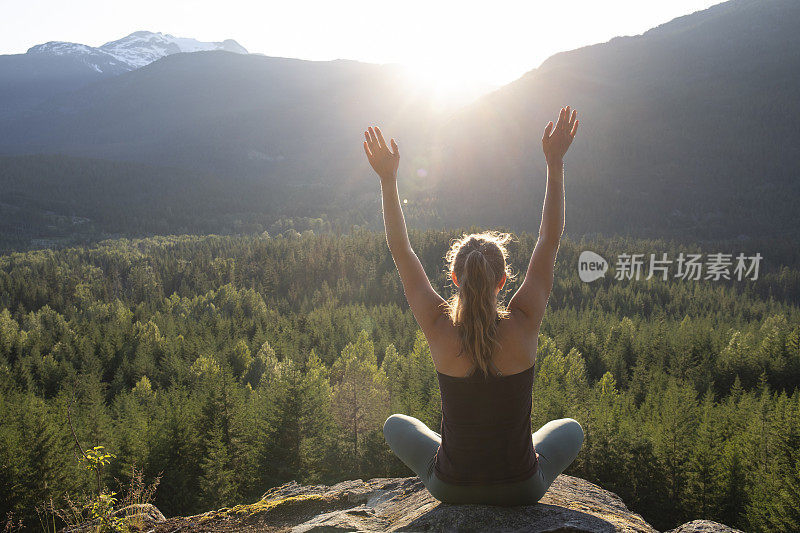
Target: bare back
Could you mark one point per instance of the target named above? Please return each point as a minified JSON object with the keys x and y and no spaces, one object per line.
{"x":517,"y":353}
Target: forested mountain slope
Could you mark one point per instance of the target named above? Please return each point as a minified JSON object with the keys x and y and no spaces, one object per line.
{"x":228,"y":364}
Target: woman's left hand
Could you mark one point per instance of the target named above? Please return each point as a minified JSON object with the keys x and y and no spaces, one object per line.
{"x":556,"y":141}
{"x":384,"y":161}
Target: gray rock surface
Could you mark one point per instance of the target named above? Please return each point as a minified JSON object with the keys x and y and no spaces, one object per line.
{"x":145,"y":512}
{"x":404,"y":504}
{"x":703,"y":526}
{"x":139,"y":516}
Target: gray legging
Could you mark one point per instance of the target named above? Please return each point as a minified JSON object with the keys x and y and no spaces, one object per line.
{"x":557,"y":442}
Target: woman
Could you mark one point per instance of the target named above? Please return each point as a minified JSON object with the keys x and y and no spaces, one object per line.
{"x":484,"y":354}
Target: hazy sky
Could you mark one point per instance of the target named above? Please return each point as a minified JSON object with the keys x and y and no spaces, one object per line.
{"x":491,"y":41}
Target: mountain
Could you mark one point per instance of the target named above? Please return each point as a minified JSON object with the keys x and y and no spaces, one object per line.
{"x":143,"y":47}
{"x":27,"y":80}
{"x":60,"y":198}
{"x":57,"y":200}
{"x":242,"y":116}
{"x":687,"y":131}
{"x":58,"y":67}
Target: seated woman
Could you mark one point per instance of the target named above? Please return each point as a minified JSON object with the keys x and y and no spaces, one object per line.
{"x":484,"y":354}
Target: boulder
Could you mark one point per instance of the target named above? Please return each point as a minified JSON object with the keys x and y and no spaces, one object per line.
{"x":137,"y":517}
{"x":703,"y":526}
{"x":404,"y":504}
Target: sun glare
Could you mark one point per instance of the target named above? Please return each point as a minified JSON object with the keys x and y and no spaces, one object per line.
{"x":446,"y":85}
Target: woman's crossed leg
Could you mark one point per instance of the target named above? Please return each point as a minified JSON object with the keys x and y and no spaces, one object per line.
{"x":557,"y":442}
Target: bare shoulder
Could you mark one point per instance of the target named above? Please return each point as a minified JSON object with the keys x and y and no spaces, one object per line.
{"x":520,"y":338}
{"x":444,"y":344}
{"x":526,"y":314}
{"x":521,"y":323}
{"x":442,"y":328}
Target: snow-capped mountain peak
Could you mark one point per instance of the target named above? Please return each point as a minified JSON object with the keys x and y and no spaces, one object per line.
{"x":134,"y":51}
{"x":143,"y":47}
{"x":95,"y":58}
{"x":61,"y":48}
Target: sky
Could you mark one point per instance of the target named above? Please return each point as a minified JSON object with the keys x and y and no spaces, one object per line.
{"x":489,"y":42}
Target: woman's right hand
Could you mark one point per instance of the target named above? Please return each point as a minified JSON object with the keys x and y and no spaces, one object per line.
{"x":556,"y":141}
{"x":384,"y":161}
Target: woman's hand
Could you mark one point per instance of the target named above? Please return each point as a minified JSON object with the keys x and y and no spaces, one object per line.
{"x":383,"y":160}
{"x":556,"y":141}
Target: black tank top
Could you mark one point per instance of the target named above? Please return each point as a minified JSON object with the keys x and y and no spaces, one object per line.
{"x":486,"y":428}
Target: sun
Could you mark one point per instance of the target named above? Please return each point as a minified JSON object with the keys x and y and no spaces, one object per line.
{"x":446,"y":84}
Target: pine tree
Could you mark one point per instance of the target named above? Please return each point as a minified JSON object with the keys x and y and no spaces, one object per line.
{"x":392,"y":366}
{"x":280,"y":459}
{"x":703,"y":481}
{"x":48,"y":466}
{"x":177,"y":452}
{"x":779,"y":510}
{"x":736,"y":446}
{"x":318,"y":450}
{"x":675,"y":423}
{"x":217,"y":484}
{"x":420,"y":385}
{"x":782,"y":512}
{"x":360,"y":398}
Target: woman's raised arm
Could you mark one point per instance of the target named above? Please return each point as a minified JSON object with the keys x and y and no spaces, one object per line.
{"x":531,"y":297}
{"x":425,"y":303}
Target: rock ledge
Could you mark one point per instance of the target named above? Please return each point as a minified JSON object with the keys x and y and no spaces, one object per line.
{"x":404,"y":504}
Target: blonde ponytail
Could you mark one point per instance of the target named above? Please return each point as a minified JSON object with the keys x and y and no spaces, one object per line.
{"x":479,"y":263}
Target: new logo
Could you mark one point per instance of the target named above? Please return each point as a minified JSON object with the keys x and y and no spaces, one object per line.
{"x":591,"y":266}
